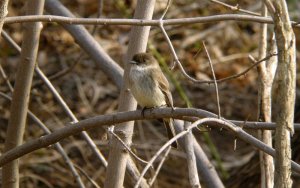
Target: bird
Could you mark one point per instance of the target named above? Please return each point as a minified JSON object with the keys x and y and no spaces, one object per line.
{"x":150,"y":87}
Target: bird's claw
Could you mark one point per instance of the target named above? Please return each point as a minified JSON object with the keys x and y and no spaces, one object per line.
{"x":143,"y":112}
{"x":146,"y":108}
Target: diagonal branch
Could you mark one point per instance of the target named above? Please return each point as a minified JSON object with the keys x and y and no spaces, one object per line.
{"x":57,"y":145}
{"x":61,"y":101}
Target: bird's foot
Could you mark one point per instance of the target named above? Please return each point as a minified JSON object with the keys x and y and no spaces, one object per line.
{"x":145,"y":108}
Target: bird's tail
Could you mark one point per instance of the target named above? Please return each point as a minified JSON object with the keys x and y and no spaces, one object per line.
{"x":170,"y":130}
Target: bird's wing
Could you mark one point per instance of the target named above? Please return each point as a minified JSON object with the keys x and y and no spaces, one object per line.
{"x":163,"y":84}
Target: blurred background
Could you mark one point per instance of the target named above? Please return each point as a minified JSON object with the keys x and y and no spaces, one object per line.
{"x":89,"y":92}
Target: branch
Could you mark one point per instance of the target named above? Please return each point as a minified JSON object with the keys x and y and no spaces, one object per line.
{"x":20,"y":98}
{"x":87,"y":42}
{"x":286,"y":91}
{"x":57,"y":145}
{"x":159,"y":166}
{"x":141,"y":22}
{"x":137,"y":43}
{"x":190,"y":157}
{"x":235,"y":8}
{"x":3,"y":12}
{"x":116,"y":118}
{"x":265,"y":81}
{"x":60,"y":100}
{"x":206,"y":170}
{"x":214,"y":79}
{"x":110,"y":131}
{"x":241,"y":73}
{"x":177,"y":62}
{"x":168,"y":144}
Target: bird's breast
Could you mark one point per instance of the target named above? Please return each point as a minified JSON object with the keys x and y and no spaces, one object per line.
{"x":145,"y":89}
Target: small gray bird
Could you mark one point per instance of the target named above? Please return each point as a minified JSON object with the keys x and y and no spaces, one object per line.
{"x":150,"y":87}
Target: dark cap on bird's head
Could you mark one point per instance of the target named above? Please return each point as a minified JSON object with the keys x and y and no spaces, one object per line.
{"x":142,"y":58}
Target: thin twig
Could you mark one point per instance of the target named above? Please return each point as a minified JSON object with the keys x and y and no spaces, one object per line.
{"x":206,"y":81}
{"x":215,"y":80}
{"x":3,"y":74}
{"x":110,"y":131}
{"x":87,"y":176}
{"x":176,"y":60}
{"x":61,"y":73}
{"x":241,"y":73}
{"x":140,"y":22}
{"x":235,"y":8}
{"x":159,"y":166}
{"x":99,"y":14}
{"x":166,"y":9}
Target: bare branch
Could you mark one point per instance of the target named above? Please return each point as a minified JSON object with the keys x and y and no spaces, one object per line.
{"x":176,"y":60}
{"x":10,"y":87}
{"x":191,"y":158}
{"x":235,"y":8}
{"x":57,"y":145}
{"x":166,"y":9}
{"x":104,"y":120}
{"x":137,"y":43}
{"x":241,"y":73}
{"x":87,"y":176}
{"x":110,"y":131}
{"x":3,"y":12}
{"x":285,"y":79}
{"x":87,"y":42}
{"x":61,"y":102}
{"x":265,"y":81}
{"x":141,"y":22}
{"x":215,"y":80}
{"x":207,"y":172}
{"x":20,"y":99}
{"x":159,"y":166}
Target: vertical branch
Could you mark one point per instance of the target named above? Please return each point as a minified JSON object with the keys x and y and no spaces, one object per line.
{"x":3,"y":12}
{"x":285,"y":78}
{"x":159,"y":166}
{"x":96,"y":52}
{"x":205,"y":169}
{"x":215,"y":80}
{"x":20,"y":99}
{"x":138,"y":43}
{"x":191,"y":159}
{"x":265,"y":80}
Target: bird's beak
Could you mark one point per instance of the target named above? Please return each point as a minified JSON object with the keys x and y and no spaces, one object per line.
{"x":132,"y":62}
